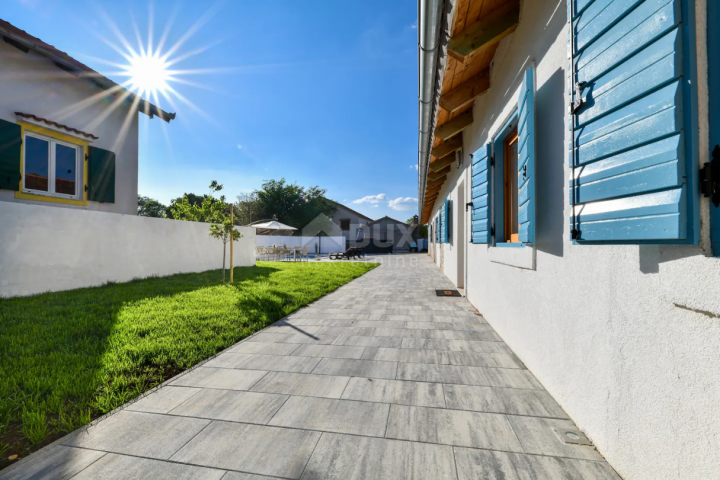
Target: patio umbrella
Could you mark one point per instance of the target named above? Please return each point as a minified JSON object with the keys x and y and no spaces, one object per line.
{"x":264,"y":226}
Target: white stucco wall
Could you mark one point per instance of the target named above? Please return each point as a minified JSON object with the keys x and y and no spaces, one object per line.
{"x":626,"y":338}
{"x":32,"y":84}
{"x":46,"y":248}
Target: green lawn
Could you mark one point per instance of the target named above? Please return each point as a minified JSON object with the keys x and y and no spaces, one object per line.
{"x":67,"y":357}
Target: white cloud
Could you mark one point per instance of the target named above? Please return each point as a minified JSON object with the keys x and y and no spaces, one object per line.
{"x":414,"y":25}
{"x":403,"y":203}
{"x":413,"y":166}
{"x":375,"y":206}
{"x":379,"y":198}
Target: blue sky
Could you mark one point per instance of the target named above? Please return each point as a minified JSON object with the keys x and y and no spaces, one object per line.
{"x":318,"y":92}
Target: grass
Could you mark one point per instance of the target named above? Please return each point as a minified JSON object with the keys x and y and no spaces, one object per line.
{"x":68,"y":357}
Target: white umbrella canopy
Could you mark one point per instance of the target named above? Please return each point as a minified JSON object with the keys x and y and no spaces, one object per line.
{"x":272,"y":225}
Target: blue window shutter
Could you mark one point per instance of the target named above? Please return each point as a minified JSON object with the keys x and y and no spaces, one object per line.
{"x":449,"y":227}
{"x":101,"y":175}
{"x":632,"y":135}
{"x":10,"y":144}
{"x":526,"y":160}
{"x":443,"y":222}
{"x":481,"y":231}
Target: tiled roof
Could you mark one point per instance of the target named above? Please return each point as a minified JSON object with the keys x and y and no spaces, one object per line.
{"x":24,"y":41}
{"x":55,"y":124}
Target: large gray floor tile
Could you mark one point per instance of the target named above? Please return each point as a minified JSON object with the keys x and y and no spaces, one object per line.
{"x":163,"y":399}
{"x":329,"y":351}
{"x":359,"y":341}
{"x":485,"y":336}
{"x":421,"y":372}
{"x":395,"y":391}
{"x":452,"y":427}
{"x":329,"y":415}
{"x":512,"y":378}
{"x":264,"y":348}
{"x":246,"y":476}
{"x":337,"y":331}
{"x":226,"y":378}
{"x":400,"y":355}
{"x":537,"y":436}
{"x":403,"y":333}
{"x":488,"y":465}
{"x":356,"y":368}
{"x":57,"y":463}
{"x":122,"y":467}
{"x":345,"y":457}
{"x":228,"y":360}
{"x":260,"y":449}
{"x":231,"y":405}
{"x":536,"y":403}
{"x":476,"y":359}
{"x":136,"y":433}
{"x":279,"y":363}
{"x":309,"y":385}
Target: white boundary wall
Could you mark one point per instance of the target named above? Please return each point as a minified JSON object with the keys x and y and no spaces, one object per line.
{"x":44,"y":248}
{"x":327,"y":244}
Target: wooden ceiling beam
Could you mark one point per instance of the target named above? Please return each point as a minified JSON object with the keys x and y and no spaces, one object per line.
{"x":439,"y":174}
{"x":448,"y":147}
{"x":488,"y":30}
{"x":432,"y":190}
{"x":455,"y":125}
{"x":460,"y":96}
{"x":443,"y":162}
{"x":436,"y":183}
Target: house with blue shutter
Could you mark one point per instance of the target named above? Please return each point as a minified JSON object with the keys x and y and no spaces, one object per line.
{"x":68,"y":135}
{"x":569,"y":170}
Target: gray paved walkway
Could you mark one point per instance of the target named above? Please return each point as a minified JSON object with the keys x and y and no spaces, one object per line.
{"x":379,"y":380}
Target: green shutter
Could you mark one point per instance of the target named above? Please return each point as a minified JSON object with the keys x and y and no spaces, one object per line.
{"x":101,"y":175}
{"x":10,"y":143}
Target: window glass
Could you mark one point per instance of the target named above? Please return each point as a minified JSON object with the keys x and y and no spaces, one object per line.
{"x":37,"y":162}
{"x":65,"y":174}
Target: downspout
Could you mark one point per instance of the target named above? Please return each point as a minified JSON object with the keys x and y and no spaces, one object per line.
{"x":434,"y":20}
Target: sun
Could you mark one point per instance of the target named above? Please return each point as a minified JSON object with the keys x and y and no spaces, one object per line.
{"x":149,"y":74}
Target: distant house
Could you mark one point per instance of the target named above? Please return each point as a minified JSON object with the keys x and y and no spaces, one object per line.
{"x":348,"y":221}
{"x":68,"y":135}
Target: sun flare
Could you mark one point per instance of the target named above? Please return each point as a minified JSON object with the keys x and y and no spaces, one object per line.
{"x":148,"y":74}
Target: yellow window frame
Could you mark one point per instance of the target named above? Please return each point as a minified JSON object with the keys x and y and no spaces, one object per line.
{"x":29,"y":127}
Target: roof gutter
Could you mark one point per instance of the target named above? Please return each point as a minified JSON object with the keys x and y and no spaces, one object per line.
{"x":434,"y":20}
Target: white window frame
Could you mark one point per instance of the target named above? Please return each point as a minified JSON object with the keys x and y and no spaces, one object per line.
{"x":51,"y":167}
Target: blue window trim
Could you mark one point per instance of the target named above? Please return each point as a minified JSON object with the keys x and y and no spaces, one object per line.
{"x":691,"y":132}
{"x":498,"y":206}
{"x":713,"y":53}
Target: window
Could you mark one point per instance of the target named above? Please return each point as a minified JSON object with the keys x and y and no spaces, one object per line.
{"x":345,"y":224}
{"x":51,"y":167}
{"x":510,"y":186}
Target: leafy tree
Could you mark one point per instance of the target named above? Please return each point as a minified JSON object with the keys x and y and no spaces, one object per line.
{"x":149,"y":207}
{"x":210,"y":210}
{"x":422,"y":230}
{"x":290,"y":203}
{"x":192,"y":198}
{"x":247,"y":209}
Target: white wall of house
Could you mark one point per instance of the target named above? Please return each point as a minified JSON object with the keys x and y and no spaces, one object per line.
{"x":45,"y":248}
{"x":33,"y":84}
{"x":356,"y":219}
{"x":626,"y":338}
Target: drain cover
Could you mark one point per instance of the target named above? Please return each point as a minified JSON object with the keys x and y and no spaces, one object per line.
{"x":447,"y":293}
{"x":572,"y":436}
